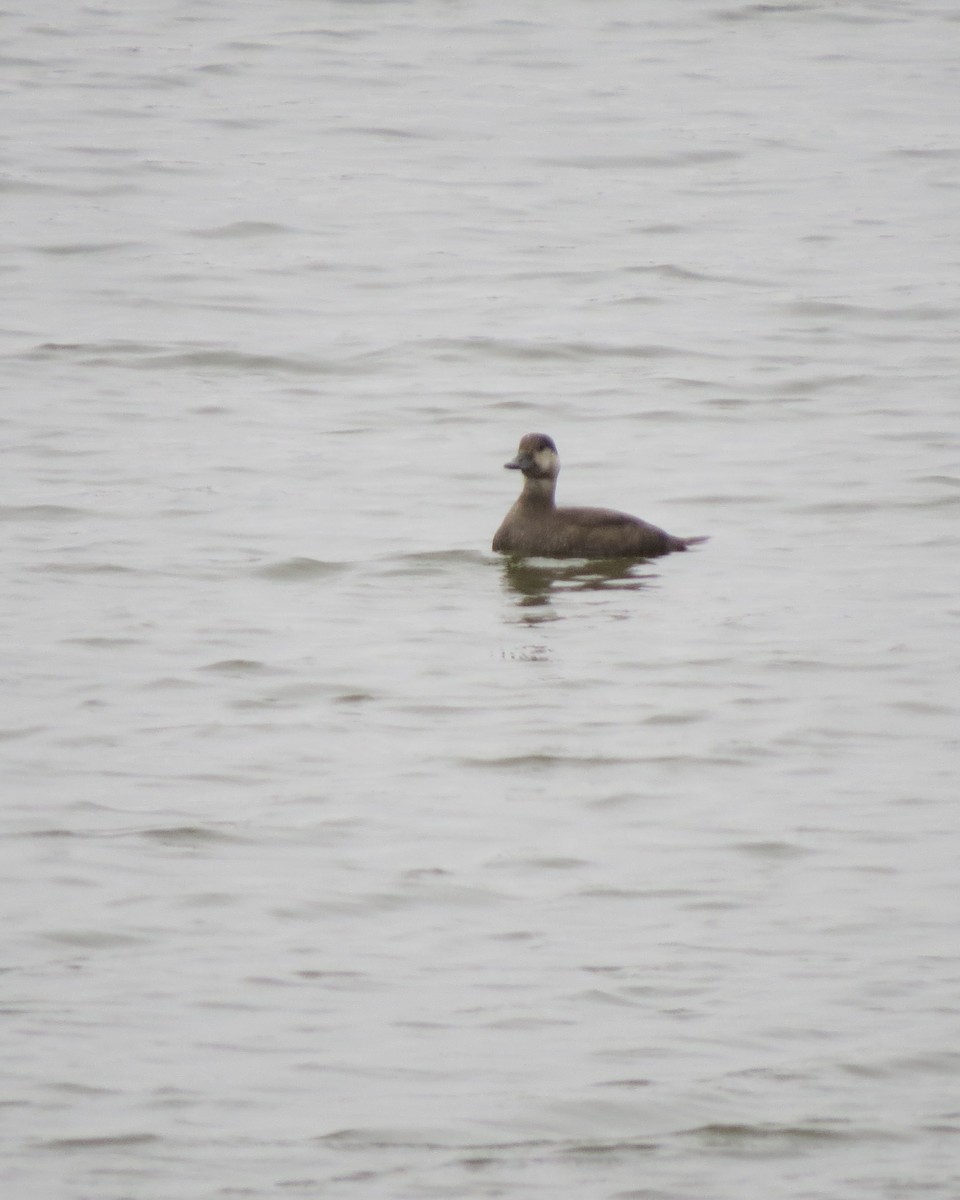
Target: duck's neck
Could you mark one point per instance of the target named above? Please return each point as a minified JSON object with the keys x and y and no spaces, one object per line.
{"x":538,"y":493}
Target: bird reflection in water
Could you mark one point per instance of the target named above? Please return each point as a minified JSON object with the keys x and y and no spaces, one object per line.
{"x":534,"y":581}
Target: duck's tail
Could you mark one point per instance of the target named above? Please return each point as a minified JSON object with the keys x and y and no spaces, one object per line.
{"x":686,"y":543}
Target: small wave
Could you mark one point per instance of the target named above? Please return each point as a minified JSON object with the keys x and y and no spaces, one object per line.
{"x":835,"y":507}
{"x":243,"y":229}
{"x":238,"y":360}
{"x":75,"y":248}
{"x":687,"y":275}
{"x":14,"y":733}
{"x":835,"y":308}
{"x":538,"y":762}
{"x":237,"y":666}
{"x":52,"y":350}
{"x":741,"y":1135}
{"x":749,"y":11}
{"x":30,"y":187}
{"x":116,"y":1140}
{"x":102,"y":642}
{"x":296,"y":570}
{"x":426,"y":562}
{"x":388,"y":132}
{"x":951,"y":500}
{"x":508,"y":348}
{"x":772,"y":849}
{"x":948,"y":480}
{"x":39,"y":512}
{"x":140,"y":356}
{"x":418,"y":1137}
{"x":604,"y":162}
{"x":62,"y":568}
{"x":93,"y":939}
{"x":792,"y":388}
{"x":189,"y":835}
{"x":713,"y":499}
{"x":949,"y":153}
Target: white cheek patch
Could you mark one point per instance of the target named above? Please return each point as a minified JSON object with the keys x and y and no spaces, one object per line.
{"x":545,"y":461}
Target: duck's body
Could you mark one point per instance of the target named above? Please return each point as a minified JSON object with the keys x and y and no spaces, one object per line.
{"x":536,"y":527}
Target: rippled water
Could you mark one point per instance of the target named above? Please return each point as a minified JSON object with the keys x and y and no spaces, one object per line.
{"x":342,"y":858}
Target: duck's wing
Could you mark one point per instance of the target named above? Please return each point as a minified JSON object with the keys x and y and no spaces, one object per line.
{"x":604,"y":532}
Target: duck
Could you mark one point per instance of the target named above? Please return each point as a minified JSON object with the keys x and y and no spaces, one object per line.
{"x":536,"y":527}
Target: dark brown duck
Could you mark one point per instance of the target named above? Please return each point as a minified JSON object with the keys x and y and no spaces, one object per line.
{"x":535,"y":526}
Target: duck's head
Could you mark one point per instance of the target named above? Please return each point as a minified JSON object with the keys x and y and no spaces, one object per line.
{"x":536,"y":457}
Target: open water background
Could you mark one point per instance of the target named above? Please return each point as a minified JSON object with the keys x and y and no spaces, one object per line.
{"x":341,"y":859}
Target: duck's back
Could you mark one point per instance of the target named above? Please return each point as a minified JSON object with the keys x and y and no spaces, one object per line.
{"x":582,"y":533}
{"x":606,"y":531}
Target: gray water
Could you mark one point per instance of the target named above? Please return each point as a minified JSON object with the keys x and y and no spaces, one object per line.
{"x":343,"y":859}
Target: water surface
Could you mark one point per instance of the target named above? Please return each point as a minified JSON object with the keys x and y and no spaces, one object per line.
{"x":342,"y":858}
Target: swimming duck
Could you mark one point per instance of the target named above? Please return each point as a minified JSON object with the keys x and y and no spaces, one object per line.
{"x":535,"y":526}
